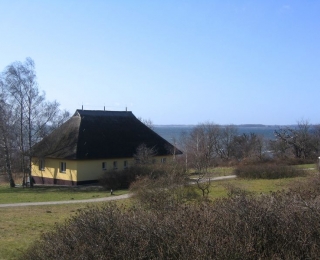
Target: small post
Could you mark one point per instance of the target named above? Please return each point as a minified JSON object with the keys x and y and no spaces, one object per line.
{"x":319,"y":164}
{"x":111,"y":192}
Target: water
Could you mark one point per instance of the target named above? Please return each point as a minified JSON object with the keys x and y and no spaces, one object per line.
{"x":173,"y":132}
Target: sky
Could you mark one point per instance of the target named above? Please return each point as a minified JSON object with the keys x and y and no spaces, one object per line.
{"x":172,"y":62}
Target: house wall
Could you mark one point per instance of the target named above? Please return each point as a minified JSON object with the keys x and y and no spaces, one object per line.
{"x":79,"y":172}
{"x":51,"y":173}
{"x":92,"y":169}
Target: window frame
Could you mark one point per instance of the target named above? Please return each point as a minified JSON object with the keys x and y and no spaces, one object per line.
{"x":104,"y":166}
{"x":63,"y":167}
{"x":115,"y":165}
{"x":41,"y":165}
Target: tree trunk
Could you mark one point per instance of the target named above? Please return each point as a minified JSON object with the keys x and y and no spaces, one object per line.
{"x":8,"y":161}
{"x":29,"y":140}
{"x":8,"y":167}
{"x":22,"y":160}
{"x":4,"y":132}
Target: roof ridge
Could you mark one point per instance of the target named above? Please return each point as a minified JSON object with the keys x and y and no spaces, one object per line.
{"x":81,"y":112}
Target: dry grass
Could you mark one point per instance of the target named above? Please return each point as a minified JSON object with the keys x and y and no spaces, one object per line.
{"x":21,"y":226}
{"x":51,"y":193}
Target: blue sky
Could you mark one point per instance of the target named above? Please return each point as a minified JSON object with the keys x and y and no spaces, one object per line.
{"x":174,"y":62}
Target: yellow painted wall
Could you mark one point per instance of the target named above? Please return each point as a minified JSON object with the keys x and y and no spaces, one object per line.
{"x":92,"y":169}
{"x":83,"y":170}
{"x":52,"y":169}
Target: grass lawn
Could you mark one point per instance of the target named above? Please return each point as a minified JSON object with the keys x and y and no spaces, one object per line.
{"x":51,"y":193}
{"x":258,"y":186}
{"x":21,"y":226}
{"x":218,"y":188}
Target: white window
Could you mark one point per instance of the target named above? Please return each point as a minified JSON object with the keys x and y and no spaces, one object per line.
{"x":63,"y":166}
{"x":115,"y":165}
{"x":125,"y":164}
{"x":104,"y":166}
{"x":41,"y":164}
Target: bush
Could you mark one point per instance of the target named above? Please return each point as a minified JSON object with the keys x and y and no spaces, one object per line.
{"x":267,"y":171}
{"x":163,"y":190}
{"x":295,"y":161}
{"x":122,"y":179}
{"x":307,"y":189}
{"x":278,"y":226}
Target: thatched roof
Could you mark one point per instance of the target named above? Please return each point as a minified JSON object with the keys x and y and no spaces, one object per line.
{"x":91,"y":134}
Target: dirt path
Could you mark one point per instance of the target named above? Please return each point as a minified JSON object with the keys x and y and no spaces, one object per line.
{"x":120,"y":197}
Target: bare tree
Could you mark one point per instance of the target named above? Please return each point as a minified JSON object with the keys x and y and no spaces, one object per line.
{"x":316,"y":134}
{"x":301,"y":139}
{"x":225,"y":143}
{"x":199,"y":151}
{"x":248,"y":146}
{"x":201,"y":146}
{"x":14,"y":77}
{"x":183,"y":143}
{"x":36,"y":115}
{"x":147,"y":122}
{"x":279,"y":148}
{"x":204,"y":183}
{"x":6,"y":130}
{"x":144,"y":155}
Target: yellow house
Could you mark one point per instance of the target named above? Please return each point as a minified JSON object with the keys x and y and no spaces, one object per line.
{"x":91,"y":143}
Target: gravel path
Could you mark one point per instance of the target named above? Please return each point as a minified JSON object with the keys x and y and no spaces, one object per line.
{"x":120,"y":197}
{"x":214,"y":179}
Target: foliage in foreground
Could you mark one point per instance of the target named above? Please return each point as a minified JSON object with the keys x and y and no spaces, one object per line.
{"x":124,"y":178}
{"x":163,"y":191}
{"x":267,"y":171}
{"x":282,"y":225}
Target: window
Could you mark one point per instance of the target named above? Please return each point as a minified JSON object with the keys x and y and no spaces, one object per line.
{"x":41,"y":164}
{"x":125,"y":164}
{"x":115,"y":165}
{"x":63,"y":167}
{"x":163,"y":160}
{"x":104,"y":166}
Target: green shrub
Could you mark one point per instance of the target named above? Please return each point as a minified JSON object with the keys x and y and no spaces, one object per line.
{"x":267,"y":171}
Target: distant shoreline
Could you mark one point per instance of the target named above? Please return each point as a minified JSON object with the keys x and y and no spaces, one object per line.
{"x":174,"y":132}
{"x":240,"y":125}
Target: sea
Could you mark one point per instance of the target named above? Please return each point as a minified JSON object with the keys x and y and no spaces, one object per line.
{"x":173,"y":133}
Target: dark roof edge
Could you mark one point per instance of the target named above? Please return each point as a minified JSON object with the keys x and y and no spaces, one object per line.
{"x":81,"y":112}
